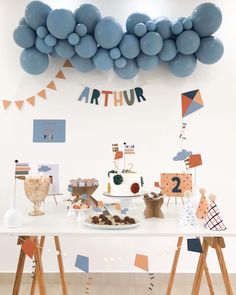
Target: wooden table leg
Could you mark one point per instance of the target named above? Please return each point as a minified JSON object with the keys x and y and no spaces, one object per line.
{"x":208,"y":278}
{"x":223,"y":268}
{"x":39,"y":269}
{"x":61,"y":266}
{"x":174,"y":266}
{"x":33,"y":285}
{"x":200,"y":267}
{"x":20,"y":268}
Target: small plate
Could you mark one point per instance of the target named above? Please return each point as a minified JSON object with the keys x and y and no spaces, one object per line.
{"x":117,"y":227}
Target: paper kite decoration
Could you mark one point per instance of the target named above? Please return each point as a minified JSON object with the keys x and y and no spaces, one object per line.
{"x":141,"y":261}
{"x":195,"y":160}
{"x":82,"y":263}
{"x":191,"y":102}
{"x":194,"y":245}
{"x":29,"y":247}
{"x":213,"y":219}
{"x":202,"y":208}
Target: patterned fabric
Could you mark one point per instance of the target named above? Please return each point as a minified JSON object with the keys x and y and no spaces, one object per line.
{"x":213,"y":220}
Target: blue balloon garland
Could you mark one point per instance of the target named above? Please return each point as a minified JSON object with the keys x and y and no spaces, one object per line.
{"x":91,"y":41}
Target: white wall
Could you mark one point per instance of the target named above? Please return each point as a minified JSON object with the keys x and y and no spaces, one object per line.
{"x":152,"y":126}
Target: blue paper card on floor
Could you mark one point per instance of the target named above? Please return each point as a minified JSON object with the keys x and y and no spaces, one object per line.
{"x":49,"y":131}
{"x":82,"y":263}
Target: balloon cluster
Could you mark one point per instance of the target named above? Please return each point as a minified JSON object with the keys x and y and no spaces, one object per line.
{"x":90,"y":41}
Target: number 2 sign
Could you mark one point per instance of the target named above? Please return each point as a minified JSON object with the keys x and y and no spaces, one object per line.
{"x":175,"y":184}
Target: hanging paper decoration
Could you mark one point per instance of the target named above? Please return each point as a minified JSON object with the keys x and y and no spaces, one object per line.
{"x":42,"y":94}
{"x":60,"y":75}
{"x":6,"y":103}
{"x":31,"y":100}
{"x":183,"y":155}
{"x":52,"y":85}
{"x":195,"y":160}
{"x":19,"y":104}
{"x":21,"y":168}
{"x":82,"y":263}
{"x":109,"y":98}
{"x":29,"y":247}
{"x":141,"y":261}
{"x":191,"y":102}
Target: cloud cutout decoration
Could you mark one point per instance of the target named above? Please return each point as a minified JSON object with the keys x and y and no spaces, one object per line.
{"x":181,"y":156}
{"x":44,"y":169}
{"x":91,"y":41}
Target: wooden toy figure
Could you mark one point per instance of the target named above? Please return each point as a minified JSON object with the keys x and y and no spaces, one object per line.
{"x":202,"y":208}
{"x":188,"y":216}
{"x":153,"y":204}
{"x":213,"y":219}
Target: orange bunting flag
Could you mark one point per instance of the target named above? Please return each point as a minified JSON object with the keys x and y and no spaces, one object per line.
{"x":118,"y":155}
{"x":42,"y":94}
{"x":60,"y":75}
{"x":6,"y":103}
{"x":100,"y":204}
{"x":19,"y":104}
{"x":52,"y":85}
{"x":141,"y":261}
{"x":31,"y":100}
{"x":29,"y":247}
{"x":67,"y":64}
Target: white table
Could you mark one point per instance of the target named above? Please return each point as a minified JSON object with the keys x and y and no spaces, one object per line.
{"x":56,"y":224}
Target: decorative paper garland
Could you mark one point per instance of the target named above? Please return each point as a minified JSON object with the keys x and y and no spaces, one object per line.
{"x":90,"y":41}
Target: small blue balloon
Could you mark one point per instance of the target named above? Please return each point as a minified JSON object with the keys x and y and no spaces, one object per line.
{"x":33,"y":61}
{"x":168,"y":51}
{"x":87,"y":47}
{"x":23,"y":22}
{"x":89,"y":15}
{"x":177,"y":27}
{"x":163,"y":27}
{"x":207,"y":18}
{"x":129,"y":46}
{"x":151,"y":26}
{"x":64,"y":49}
{"x":108,"y":32}
{"x":188,"y":42}
{"x":183,"y":65}
{"x":151,"y":43}
{"x":81,"y":30}
{"x":102,"y":60}
{"x":210,"y":51}
{"x":147,"y":62}
{"x":140,"y":29}
{"x":181,"y":19}
{"x":61,"y":23}
{"x":24,"y":36}
{"x":42,"y":32}
{"x":129,"y":71}
{"x":73,"y":39}
{"x":120,"y":62}
{"x":134,"y":19}
{"x":50,"y":40}
{"x":42,"y":46}
{"x":36,"y":13}
{"x":115,"y":53}
{"x":82,"y":64}
{"x":188,"y":23}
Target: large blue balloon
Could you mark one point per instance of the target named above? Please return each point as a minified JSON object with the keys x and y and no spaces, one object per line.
{"x":102,"y":60}
{"x":210,"y":51}
{"x":24,"y":36}
{"x":129,"y":46}
{"x":188,"y":42}
{"x":129,"y":71}
{"x":64,"y":49}
{"x":42,"y":46}
{"x":183,"y":65}
{"x":134,"y":19}
{"x":61,"y":23}
{"x":147,"y":62}
{"x":33,"y":61}
{"x":163,"y":27}
{"x":87,"y":47}
{"x":206,"y":19}
{"x":82,"y":64}
{"x":36,"y":13}
{"x":151,"y":43}
{"x":168,"y":51}
{"x":89,"y":15}
{"x":108,"y":32}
